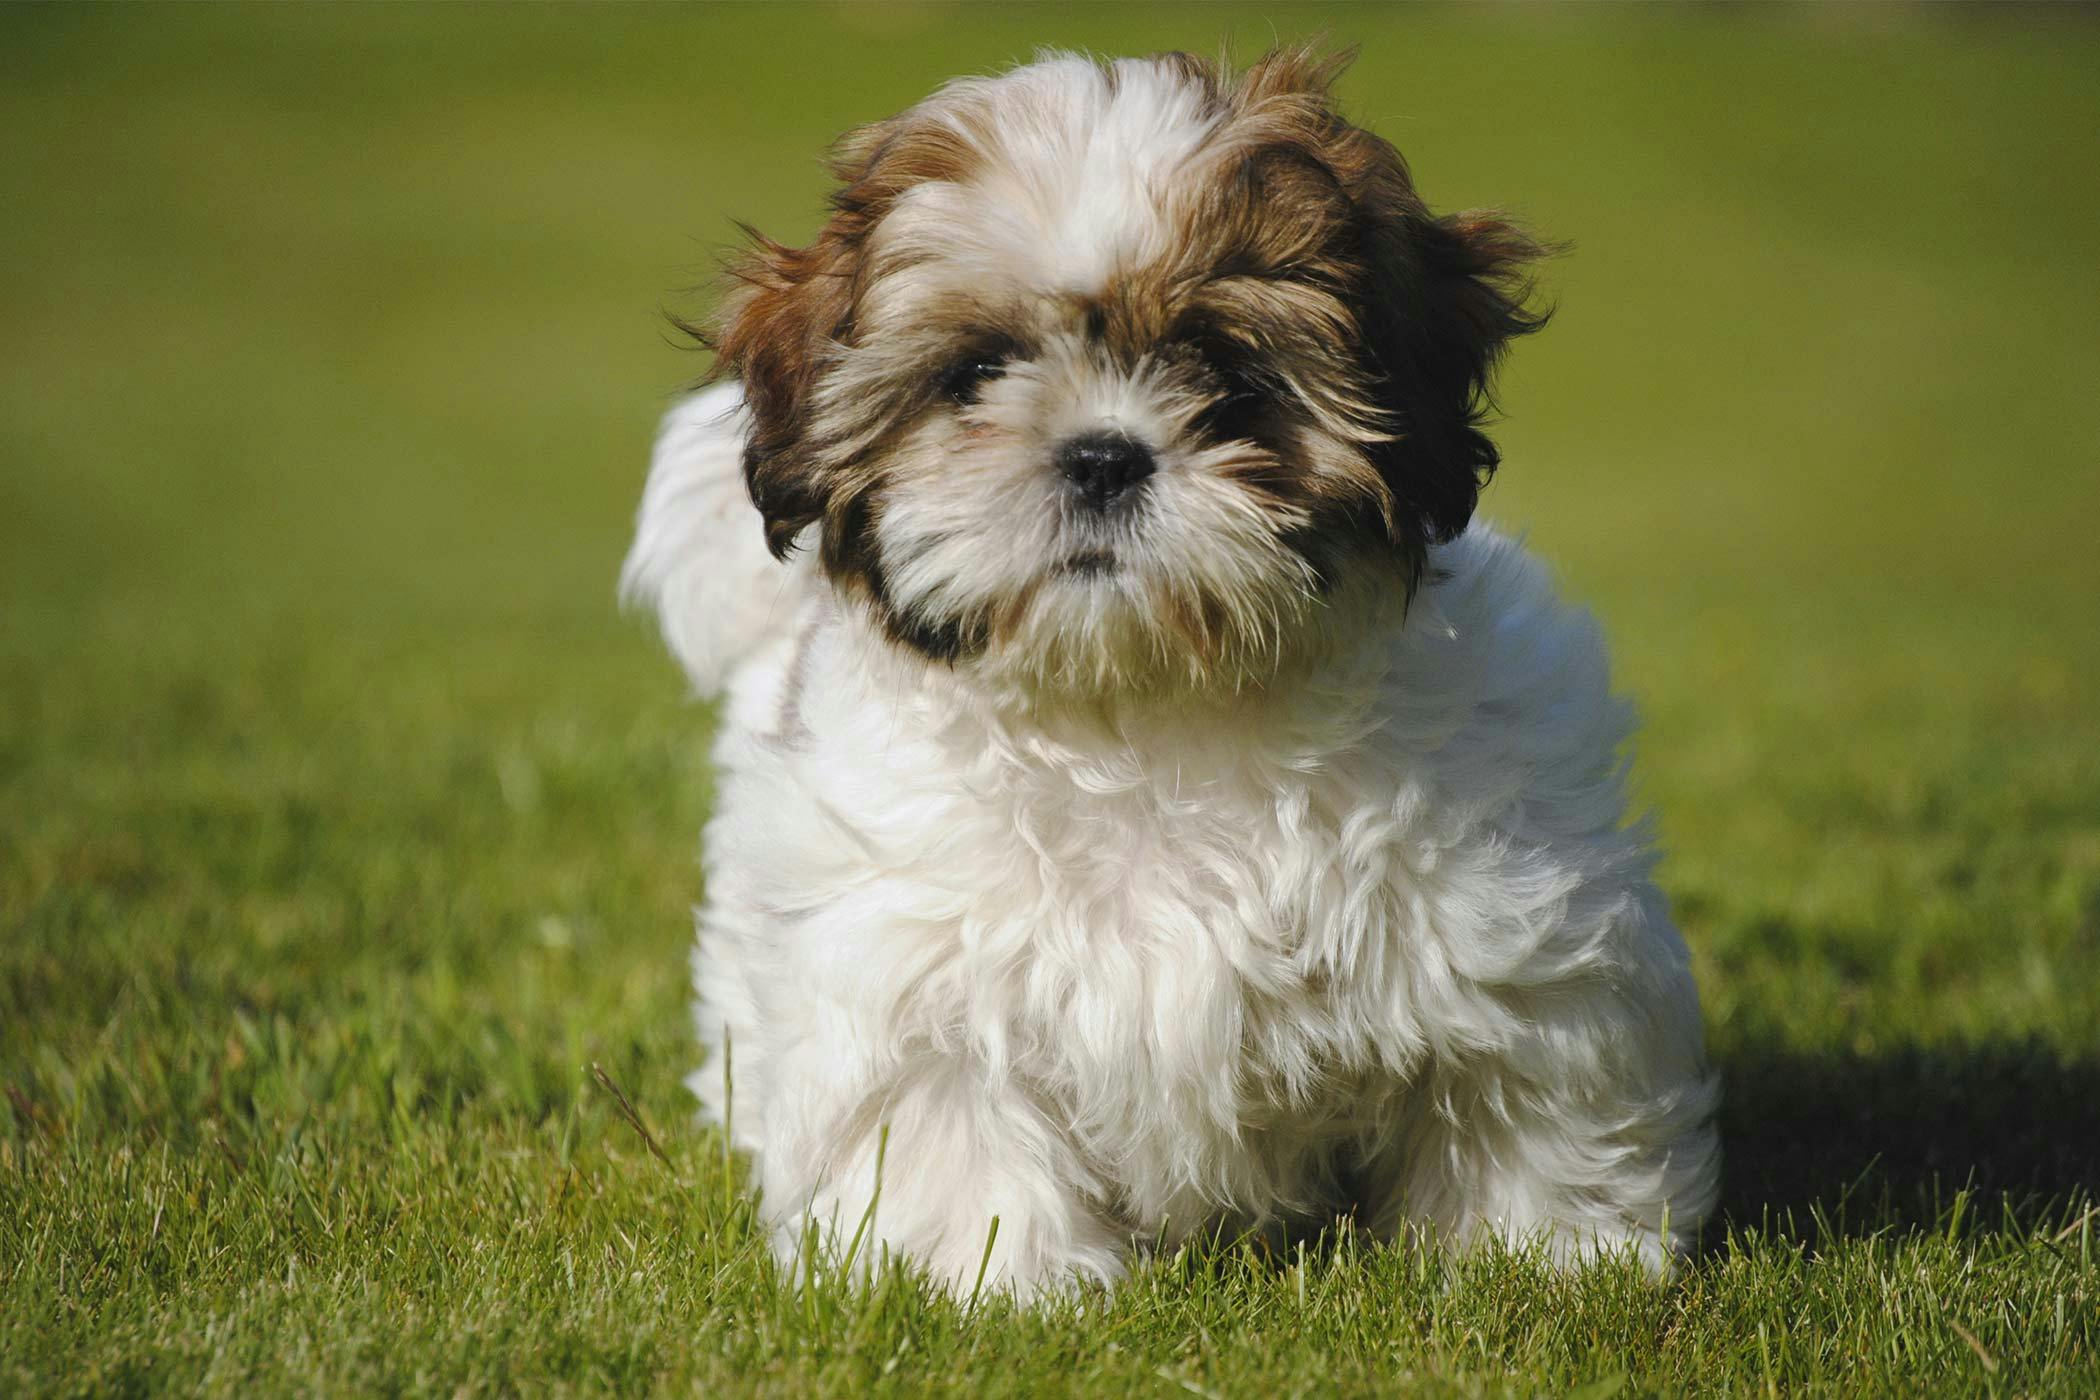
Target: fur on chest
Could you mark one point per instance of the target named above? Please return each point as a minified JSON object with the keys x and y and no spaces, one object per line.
{"x":1228,"y":907}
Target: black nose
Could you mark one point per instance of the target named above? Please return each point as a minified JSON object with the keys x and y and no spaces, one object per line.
{"x":1104,"y":466}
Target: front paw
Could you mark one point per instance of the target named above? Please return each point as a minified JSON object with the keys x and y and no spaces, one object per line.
{"x":963,"y":1254}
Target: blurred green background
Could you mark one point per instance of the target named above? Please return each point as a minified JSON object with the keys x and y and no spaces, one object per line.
{"x":330,"y":350}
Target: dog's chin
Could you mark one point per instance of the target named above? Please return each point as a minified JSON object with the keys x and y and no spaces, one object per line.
{"x":1096,"y":626}
{"x":1088,"y":567}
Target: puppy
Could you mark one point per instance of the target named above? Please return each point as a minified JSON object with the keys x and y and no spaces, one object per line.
{"x":1145,"y":801}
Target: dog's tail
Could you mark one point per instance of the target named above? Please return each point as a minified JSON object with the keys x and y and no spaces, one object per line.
{"x":699,"y":559}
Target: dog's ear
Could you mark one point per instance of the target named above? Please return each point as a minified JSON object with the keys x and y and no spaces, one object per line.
{"x":788,"y":311}
{"x":1438,"y":300}
{"x":776,"y":329}
{"x":1445,"y":296}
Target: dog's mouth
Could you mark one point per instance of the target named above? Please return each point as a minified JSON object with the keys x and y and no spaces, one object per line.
{"x":1087,"y":563}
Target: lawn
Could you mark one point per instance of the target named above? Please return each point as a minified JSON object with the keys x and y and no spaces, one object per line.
{"x":345,"y":824}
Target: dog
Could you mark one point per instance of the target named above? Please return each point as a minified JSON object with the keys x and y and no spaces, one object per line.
{"x":1148,"y":803}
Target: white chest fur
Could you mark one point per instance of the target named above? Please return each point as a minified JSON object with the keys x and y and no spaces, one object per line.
{"x":1212,"y":954}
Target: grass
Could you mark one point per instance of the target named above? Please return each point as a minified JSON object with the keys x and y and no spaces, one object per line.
{"x":344,"y":825}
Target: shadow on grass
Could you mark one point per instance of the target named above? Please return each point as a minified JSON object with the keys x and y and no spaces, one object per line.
{"x":1869,"y":1142}
{"x":1846,"y":1145}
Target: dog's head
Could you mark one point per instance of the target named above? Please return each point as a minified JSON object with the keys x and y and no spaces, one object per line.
{"x":1113,"y":375}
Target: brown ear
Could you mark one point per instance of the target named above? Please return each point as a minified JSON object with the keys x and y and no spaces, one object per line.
{"x":783,"y":319}
{"x":776,"y":330}
{"x":1446,"y":297}
{"x":1439,"y":299}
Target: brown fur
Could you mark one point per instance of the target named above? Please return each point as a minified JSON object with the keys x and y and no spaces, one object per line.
{"x":792,"y":312}
{"x":1306,"y":257}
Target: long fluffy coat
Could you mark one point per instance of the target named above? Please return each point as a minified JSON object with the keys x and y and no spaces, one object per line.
{"x":1377,"y":935}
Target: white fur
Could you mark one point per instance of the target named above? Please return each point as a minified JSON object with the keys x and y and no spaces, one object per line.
{"x":699,"y":562}
{"x":1116,"y":970}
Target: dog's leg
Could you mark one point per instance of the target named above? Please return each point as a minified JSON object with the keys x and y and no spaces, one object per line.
{"x":956,"y":1149}
{"x":1580,"y":1171}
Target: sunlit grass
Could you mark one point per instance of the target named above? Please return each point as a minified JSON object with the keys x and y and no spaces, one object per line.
{"x":344,"y":825}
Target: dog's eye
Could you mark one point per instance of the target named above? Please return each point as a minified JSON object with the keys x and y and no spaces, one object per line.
{"x":1243,"y":401}
{"x":1237,"y":417}
{"x":964,"y":380}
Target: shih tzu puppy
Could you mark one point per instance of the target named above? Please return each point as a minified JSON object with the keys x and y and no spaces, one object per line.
{"x":1146,"y":802}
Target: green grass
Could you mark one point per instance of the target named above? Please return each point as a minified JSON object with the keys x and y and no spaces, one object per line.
{"x":344,"y":824}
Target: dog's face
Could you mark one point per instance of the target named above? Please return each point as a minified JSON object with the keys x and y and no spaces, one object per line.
{"x":1113,"y":376}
